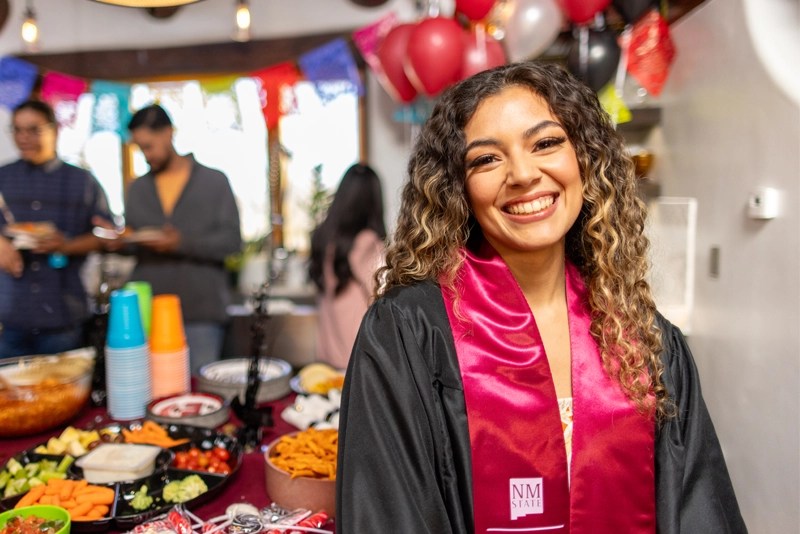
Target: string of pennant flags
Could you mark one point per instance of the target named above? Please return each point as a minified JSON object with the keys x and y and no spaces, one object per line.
{"x":645,"y":50}
{"x":112,"y":111}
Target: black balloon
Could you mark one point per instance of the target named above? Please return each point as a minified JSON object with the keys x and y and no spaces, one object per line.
{"x":368,"y":3}
{"x":597,"y":68}
{"x":632,"y":10}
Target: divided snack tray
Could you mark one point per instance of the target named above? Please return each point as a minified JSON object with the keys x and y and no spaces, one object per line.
{"x":122,"y":516}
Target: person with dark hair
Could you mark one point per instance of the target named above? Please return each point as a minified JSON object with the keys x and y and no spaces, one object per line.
{"x":48,"y":205}
{"x":514,"y":374}
{"x":346,"y":250}
{"x":196,"y":212}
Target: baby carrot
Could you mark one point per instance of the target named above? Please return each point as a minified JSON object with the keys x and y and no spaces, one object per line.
{"x":31,"y":497}
{"x":96,"y":497}
{"x":80,"y":510}
{"x":95,"y":513}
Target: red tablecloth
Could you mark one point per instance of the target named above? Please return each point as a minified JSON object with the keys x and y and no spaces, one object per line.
{"x":247,"y":485}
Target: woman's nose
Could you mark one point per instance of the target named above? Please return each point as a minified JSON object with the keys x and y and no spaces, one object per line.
{"x":522,"y":171}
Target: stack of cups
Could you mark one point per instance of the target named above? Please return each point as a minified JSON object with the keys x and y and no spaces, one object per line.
{"x":169,"y":354}
{"x":127,"y":359}
{"x":145,"y":293}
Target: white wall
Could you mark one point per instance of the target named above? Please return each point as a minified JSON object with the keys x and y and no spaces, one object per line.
{"x":728,"y":127}
{"x":68,"y":25}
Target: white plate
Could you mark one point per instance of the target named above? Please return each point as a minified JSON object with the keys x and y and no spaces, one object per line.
{"x":294,"y":383}
{"x":32,"y":230}
{"x":145,"y":234}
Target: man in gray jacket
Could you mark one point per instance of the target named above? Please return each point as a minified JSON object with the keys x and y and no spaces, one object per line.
{"x":195,"y":210}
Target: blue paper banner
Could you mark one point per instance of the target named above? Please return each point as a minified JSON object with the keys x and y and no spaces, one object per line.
{"x":17,"y":78}
{"x":417,"y":112}
{"x":111,"y":111}
{"x":331,"y":62}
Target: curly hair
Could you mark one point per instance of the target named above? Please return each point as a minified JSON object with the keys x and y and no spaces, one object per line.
{"x":606,"y":243}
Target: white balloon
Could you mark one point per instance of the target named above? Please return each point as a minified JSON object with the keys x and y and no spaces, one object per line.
{"x":531,"y":27}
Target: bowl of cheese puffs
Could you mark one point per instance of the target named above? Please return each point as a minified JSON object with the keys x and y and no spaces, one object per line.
{"x":301,"y":470}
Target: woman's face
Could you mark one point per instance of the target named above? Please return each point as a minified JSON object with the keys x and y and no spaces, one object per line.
{"x":34,"y":136}
{"x":522,"y":175}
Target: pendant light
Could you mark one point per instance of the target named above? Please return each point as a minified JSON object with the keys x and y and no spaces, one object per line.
{"x":242,"y":32}
{"x":30,"y":28}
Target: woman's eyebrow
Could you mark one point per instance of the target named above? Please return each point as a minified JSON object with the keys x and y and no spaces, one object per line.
{"x":530,"y":132}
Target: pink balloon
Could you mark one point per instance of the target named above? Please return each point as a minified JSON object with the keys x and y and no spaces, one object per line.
{"x":391,"y":54}
{"x":474,"y":9}
{"x":479,"y":57}
{"x":434,"y":55}
{"x":583,"y":11}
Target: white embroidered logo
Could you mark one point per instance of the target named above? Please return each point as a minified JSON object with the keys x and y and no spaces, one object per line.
{"x":526,"y":495}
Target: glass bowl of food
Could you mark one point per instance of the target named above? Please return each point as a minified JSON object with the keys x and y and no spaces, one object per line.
{"x":39,"y":392}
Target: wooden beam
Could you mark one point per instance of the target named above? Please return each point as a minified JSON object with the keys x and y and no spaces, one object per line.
{"x":184,"y":62}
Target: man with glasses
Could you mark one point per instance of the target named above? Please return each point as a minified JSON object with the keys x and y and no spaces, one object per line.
{"x":46,"y":212}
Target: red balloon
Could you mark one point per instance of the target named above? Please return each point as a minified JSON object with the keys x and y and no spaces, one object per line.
{"x":474,"y":9}
{"x":583,"y":11}
{"x":434,"y":55}
{"x":478,"y":58}
{"x":391,"y":54}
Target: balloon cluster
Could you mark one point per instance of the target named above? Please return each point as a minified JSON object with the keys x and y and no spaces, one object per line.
{"x":425,"y":57}
{"x":594,"y":56}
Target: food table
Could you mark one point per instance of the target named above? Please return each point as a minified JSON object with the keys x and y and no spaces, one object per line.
{"x":246,"y":485}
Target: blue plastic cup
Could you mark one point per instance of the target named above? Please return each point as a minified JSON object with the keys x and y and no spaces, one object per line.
{"x":124,"y":322}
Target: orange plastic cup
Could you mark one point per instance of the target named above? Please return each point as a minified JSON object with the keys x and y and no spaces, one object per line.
{"x":166,"y":329}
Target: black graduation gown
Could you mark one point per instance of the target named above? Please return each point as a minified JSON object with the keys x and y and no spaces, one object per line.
{"x":404,"y":448}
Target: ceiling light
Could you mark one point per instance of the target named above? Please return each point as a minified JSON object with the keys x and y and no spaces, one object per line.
{"x":30,"y":29}
{"x":242,"y":32}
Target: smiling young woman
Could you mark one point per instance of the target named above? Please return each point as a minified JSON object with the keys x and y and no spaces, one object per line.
{"x":514,"y":374}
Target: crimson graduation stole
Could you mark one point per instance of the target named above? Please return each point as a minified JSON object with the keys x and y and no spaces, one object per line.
{"x":519,"y":464}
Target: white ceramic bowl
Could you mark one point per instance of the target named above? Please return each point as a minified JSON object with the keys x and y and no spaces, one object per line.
{"x":205,"y":410}
{"x":228,"y":378}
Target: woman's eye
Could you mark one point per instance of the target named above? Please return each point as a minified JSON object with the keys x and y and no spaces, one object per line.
{"x":481,"y":160}
{"x":549,"y":142}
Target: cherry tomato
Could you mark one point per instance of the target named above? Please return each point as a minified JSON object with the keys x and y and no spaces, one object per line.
{"x":194,"y":452}
{"x":221,"y":453}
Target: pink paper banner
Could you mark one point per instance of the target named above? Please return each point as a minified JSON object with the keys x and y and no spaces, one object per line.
{"x":368,"y":38}
{"x":62,"y":92}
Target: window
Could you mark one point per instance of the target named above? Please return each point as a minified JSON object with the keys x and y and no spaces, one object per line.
{"x":227,"y":131}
